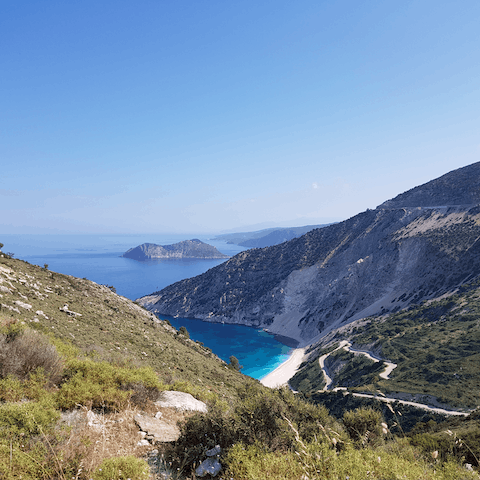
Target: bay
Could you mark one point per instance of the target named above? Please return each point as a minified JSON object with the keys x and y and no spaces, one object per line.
{"x":98,"y":258}
{"x":257,"y":351}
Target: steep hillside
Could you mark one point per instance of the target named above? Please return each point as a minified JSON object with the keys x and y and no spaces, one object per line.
{"x":98,"y":411}
{"x":459,"y":187}
{"x":376,"y":262}
{"x":433,"y":349}
{"x":95,"y":319}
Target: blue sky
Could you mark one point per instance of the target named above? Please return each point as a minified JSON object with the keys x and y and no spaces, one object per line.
{"x":206,"y":116}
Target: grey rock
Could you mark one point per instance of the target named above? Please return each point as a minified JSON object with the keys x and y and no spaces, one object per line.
{"x":210,"y":466}
{"x":181,"y":401}
{"x":74,"y":418}
{"x":158,"y":430}
{"x":214,"y":451}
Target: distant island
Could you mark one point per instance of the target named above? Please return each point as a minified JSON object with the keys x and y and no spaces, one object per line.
{"x":187,"y":249}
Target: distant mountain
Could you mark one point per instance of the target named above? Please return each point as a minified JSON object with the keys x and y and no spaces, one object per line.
{"x":187,"y":249}
{"x":267,"y":237}
{"x":405,"y":251}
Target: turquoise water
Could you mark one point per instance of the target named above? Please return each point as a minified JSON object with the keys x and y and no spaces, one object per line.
{"x":256,"y":350}
{"x":97,"y":258}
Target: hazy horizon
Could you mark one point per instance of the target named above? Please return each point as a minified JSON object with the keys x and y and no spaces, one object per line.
{"x":180,"y":117}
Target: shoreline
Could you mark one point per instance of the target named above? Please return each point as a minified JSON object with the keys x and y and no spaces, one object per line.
{"x":284,"y":372}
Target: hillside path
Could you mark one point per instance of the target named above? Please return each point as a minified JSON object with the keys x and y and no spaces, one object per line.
{"x":347,"y":346}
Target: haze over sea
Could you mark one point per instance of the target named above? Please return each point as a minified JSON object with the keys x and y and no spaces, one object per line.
{"x":98,"y":258}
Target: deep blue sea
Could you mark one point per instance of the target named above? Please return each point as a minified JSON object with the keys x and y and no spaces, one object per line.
{"x":97,"y":258}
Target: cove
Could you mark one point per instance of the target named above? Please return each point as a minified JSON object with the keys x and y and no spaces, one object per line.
{"x":258,"y":351}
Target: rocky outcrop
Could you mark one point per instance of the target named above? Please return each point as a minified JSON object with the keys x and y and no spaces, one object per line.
{"x":157,"y":429}
{"x":187,"y":249}
{"x":181,"y":401}
{"x":379,"y":261}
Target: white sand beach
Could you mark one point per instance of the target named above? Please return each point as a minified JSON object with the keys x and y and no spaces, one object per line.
{"x":283,"y":373}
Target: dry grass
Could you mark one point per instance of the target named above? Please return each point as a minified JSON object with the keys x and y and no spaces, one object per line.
{"x":84,"y":447}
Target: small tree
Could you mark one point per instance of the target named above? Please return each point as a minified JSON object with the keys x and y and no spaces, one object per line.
{"x":183,"y":331}
{"x":235,"y":364}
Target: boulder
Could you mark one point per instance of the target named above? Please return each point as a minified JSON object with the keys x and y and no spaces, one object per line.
{"x":180,"y":401}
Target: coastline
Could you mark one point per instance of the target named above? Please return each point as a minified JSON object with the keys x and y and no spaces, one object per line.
{"x":284,"y":372}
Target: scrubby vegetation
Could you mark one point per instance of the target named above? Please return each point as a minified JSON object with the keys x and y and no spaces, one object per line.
{"x":436,"y":346}
{"x":273,"y":434}
{"x":114,"y":360}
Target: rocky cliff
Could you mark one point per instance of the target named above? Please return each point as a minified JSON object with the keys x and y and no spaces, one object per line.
{"x":379,"y":261}
{"x":186,"y":249}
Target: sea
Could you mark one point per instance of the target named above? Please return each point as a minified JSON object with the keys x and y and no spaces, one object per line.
{"x":98,"y":258}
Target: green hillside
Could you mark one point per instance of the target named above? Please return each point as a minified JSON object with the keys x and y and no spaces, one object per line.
{"x":69,"y":346}
{"x":436,"y":346}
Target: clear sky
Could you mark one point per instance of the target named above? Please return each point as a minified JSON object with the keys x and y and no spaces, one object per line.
{"x":205,"y":116}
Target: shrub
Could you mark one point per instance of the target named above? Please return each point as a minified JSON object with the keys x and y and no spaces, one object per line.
{"x":28,"y":464}
{"x":253,"y":462}
{"x":122,"y":468}
{"x":24,"y":351}
{"x":11,"y":389}
{"x":103,"y":385}
{"x":183,"y":331}
{"x":364,"y":426}
{"x":234,"y":363}
{"x":270,"y":418}
{"x":28,"y":418}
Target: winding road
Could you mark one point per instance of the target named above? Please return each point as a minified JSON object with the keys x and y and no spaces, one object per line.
{"x":347,"y":346}
{"x":389,"y":367}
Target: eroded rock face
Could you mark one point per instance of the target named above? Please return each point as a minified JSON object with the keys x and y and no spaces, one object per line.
{"x":376,"y":262}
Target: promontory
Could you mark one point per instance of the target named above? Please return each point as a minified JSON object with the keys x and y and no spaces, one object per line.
{"x":187,"y":249}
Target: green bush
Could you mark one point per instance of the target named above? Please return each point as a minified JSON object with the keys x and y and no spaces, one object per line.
{"x":319,"y":460}
{"x":183,"y":331}
{"x":271,"y":418}
{"x":27,"y":418}
{"x":254,"y":462}
{"x":17,"y":461}
{"x":364,"y":426}
{"x":122,"y":468}
{"x":103,"y":385}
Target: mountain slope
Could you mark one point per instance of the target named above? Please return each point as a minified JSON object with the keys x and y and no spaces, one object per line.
{"x":459,"y":187}
{"x":435,"y":347}
{"x":379,"y":261}
{"x":266,"y":238}
{"x":95,"y":319}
